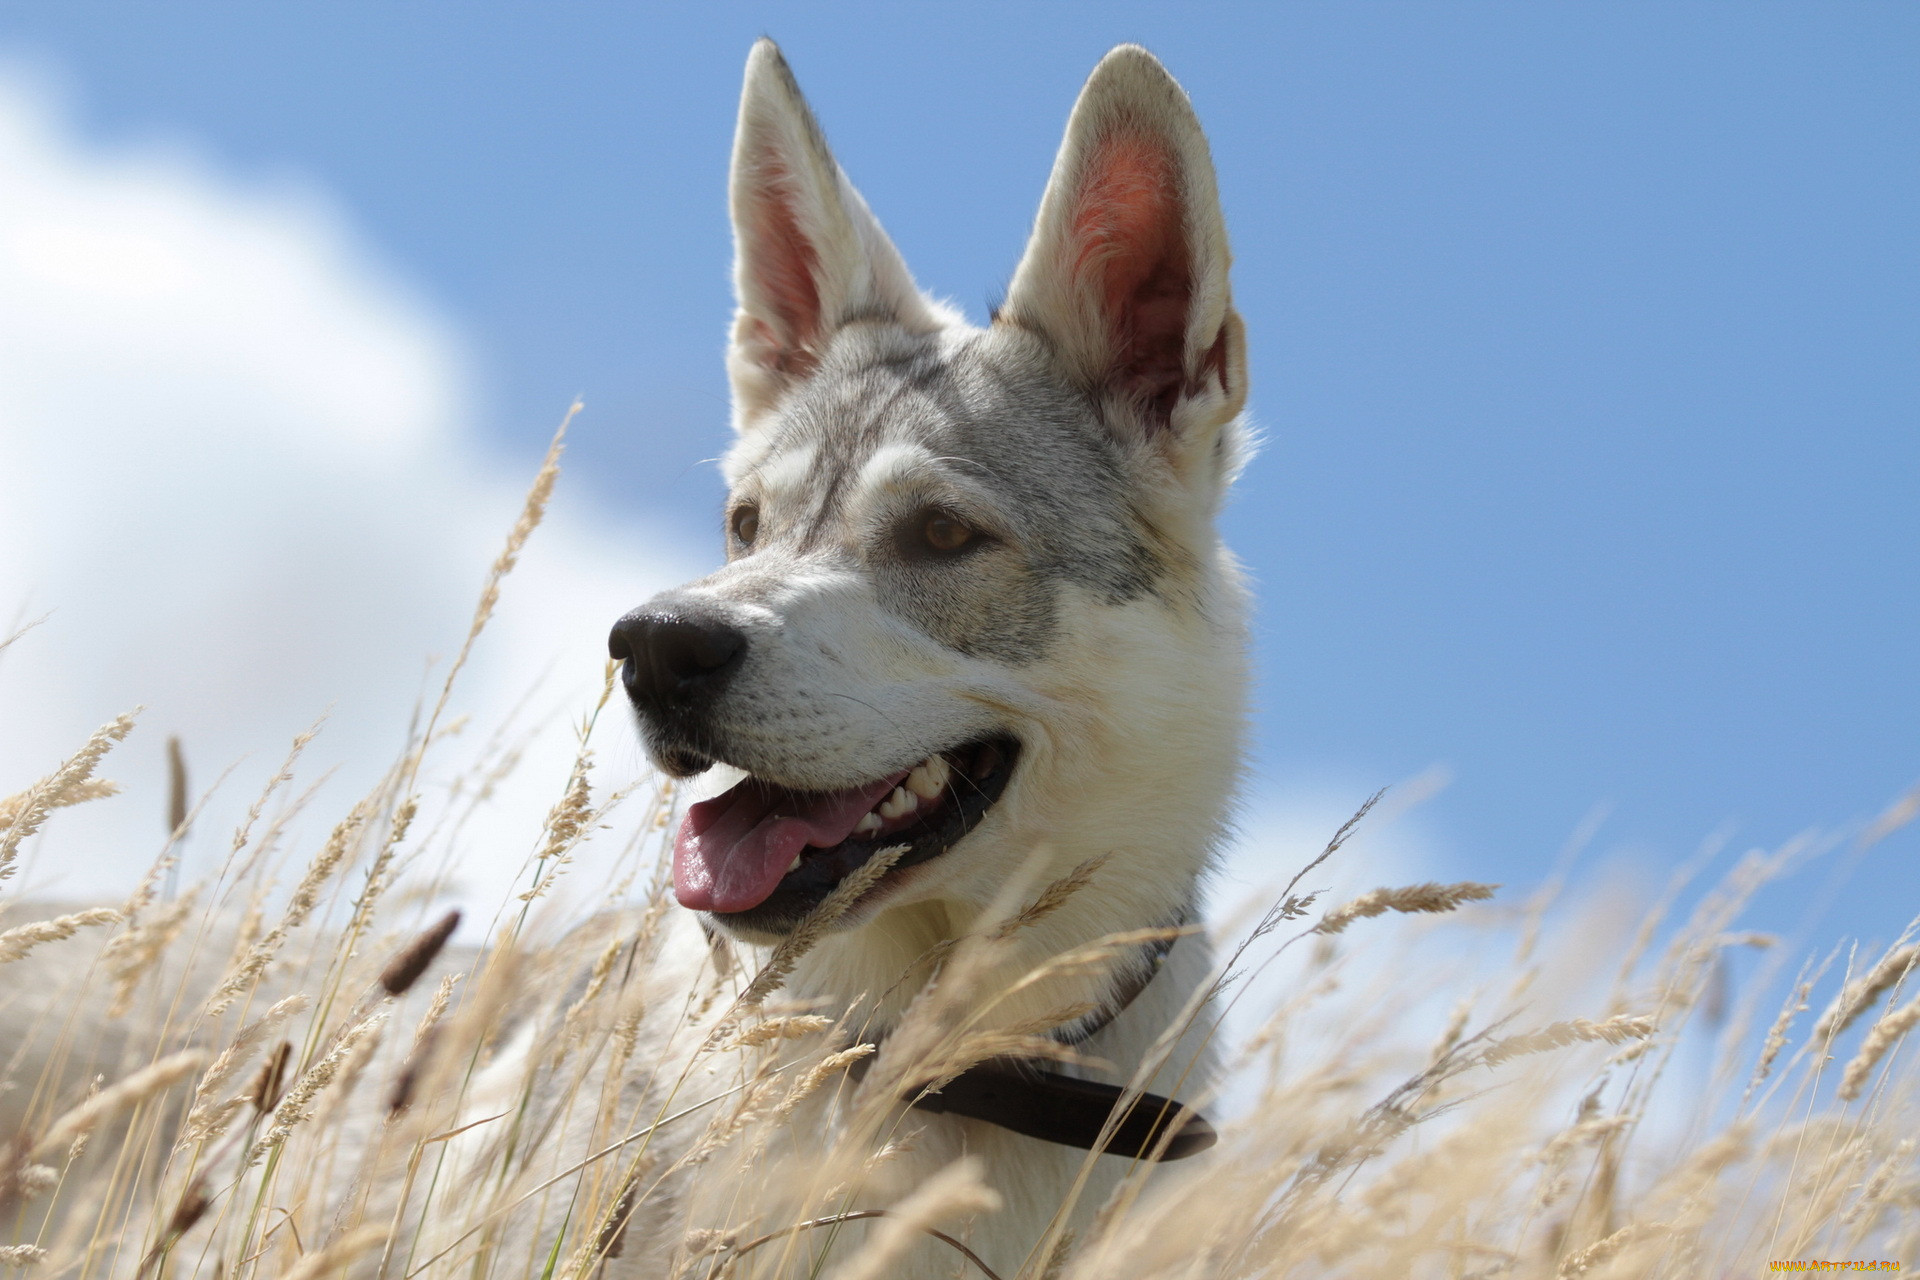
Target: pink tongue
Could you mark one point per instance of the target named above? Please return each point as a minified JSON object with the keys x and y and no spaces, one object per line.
{"x":732,"y":850}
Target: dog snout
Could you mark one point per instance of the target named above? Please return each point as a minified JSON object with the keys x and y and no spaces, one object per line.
{"x":673,"y":656}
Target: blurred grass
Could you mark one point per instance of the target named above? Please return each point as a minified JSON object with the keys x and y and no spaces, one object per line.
{"x":280,"y":1069}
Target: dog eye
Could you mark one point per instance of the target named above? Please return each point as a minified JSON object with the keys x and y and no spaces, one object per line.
{"x":945,"y":533}
{"x":746,"y":524}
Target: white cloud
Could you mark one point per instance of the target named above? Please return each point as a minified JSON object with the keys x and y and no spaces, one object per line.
{"x":235,"y":469}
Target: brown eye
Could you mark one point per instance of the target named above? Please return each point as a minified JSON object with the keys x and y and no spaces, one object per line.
{"x":945,"y":533}
{"x":746,"y":524}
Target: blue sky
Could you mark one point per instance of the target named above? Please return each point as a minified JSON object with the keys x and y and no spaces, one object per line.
{"x":1583,"y":337}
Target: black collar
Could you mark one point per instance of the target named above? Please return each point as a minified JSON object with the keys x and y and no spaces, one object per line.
{"x":1016,"y":1094}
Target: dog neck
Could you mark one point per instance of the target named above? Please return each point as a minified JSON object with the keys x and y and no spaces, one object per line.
{"x":1019,"y":1095}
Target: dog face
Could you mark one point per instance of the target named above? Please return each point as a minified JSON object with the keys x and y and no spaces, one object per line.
{"x":973,"y":604}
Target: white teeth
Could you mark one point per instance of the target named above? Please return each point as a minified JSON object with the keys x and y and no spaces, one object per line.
{"x":795,"y":864}
{"x":929,"y":777}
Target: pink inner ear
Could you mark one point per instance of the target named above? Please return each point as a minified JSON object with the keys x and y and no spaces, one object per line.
{"x":784,"y":269}
{"x":1131,"y":247}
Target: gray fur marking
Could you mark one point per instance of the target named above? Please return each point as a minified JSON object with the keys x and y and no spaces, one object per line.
{"x":985,"y":408}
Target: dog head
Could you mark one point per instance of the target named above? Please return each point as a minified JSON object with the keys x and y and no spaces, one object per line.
{"x":973,"y":602}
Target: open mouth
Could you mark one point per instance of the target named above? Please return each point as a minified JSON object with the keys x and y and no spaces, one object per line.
{"x":762,"y":855}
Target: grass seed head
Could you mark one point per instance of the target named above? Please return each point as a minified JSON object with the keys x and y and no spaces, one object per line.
{"x":406,"y":967}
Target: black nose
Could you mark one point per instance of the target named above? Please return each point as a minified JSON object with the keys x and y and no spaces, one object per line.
{"x":672,"y":656}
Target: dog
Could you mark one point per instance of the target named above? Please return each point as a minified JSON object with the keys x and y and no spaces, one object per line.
{"x":975,"y":613}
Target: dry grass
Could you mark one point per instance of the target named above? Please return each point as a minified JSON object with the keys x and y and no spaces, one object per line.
{"x":239,"y":1082}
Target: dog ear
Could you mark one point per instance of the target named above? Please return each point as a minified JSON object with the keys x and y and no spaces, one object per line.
{"x":808,"y":255}
{"x":1125,"y":276}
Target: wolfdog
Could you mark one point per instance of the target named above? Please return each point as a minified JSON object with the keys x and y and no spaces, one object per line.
{"x":975,"y":616}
